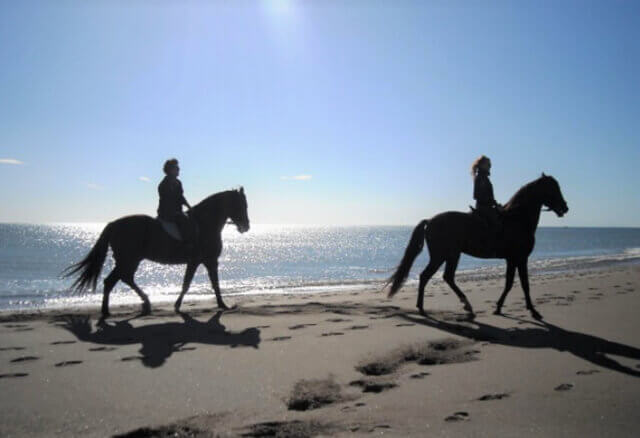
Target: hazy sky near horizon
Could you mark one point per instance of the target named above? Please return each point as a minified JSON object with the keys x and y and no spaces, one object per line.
{"x":327,"y":112}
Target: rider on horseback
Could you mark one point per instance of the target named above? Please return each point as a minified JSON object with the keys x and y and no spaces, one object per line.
{"x":172,"y":199}
{"x":486,"y":205}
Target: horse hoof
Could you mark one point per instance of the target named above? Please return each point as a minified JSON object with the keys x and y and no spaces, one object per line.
{"x":497,"y":312}
{"x":535,"y":315}
{"x":146,"y":309}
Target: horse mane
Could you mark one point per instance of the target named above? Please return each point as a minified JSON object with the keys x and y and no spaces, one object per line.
{"x":215,"y":198}
{"x":518,"y":199}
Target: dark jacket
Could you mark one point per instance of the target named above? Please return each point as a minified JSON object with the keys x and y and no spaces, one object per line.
{"x":483,"y":190}
{"x":171,"y":198}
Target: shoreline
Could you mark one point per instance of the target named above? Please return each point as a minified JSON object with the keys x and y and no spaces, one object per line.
{"x":555,"y":267}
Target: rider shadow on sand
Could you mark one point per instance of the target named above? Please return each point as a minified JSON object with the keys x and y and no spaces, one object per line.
{"x":544,"y":335}
{"x":159,"y":341}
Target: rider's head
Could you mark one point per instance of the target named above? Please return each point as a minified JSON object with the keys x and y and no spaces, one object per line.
{"x":482,"y":163}
{"x":171,"y":167}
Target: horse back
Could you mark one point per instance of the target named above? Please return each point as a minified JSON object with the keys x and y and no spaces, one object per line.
{"x":453,"y":231}
{"x":139,"y":237}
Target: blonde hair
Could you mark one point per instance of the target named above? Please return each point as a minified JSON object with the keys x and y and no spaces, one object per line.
{"x":476,"y":164}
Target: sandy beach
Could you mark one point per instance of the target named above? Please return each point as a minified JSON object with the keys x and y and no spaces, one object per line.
{"x":336,"y":364}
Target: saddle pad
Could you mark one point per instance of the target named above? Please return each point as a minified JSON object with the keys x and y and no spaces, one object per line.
{"x":170,"y":228}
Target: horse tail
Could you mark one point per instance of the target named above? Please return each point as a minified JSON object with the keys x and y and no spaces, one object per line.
{"x":88,"y":270}
{"x":413,"y":249}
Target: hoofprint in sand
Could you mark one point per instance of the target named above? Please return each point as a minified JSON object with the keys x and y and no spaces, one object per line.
{"x":350,"y":364}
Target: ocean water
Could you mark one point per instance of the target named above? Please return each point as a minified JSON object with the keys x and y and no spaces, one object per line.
{"x":275,"y":259}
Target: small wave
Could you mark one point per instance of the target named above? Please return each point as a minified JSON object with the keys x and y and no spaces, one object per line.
{"x":632,"y":252}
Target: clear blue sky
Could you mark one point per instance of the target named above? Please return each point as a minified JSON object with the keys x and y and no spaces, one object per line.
{"x":383,"y":105}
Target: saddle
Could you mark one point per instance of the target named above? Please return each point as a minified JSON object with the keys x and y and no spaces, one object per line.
{"x":493,"y":230}
{"x":171,"y":228}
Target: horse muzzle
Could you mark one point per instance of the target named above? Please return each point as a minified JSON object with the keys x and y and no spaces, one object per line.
{"x":562,"y":211}
{"x":243,"y":228}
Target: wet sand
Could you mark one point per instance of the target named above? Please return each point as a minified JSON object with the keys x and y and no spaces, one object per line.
{"x":336,"y":364}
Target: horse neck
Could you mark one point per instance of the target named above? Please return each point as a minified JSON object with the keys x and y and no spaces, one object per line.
{"x":529,"y":205}
{"x":212,"y":213}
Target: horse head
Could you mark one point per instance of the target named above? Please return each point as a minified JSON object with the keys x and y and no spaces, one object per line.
{"x":237,"y":210}
{"x":551,"y":196}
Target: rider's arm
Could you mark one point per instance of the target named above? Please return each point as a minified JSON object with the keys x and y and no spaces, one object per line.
{"x":183,"y":200}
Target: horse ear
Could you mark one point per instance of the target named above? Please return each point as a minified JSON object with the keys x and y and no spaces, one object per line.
{"x":242,"y":190}
{"x":543,"y":175}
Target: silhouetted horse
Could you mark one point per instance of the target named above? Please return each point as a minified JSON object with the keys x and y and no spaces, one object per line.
{"x":451,"y":233}
{"x":135,"y":238}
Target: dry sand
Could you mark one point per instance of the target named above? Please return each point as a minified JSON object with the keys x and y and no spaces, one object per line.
{"x":349,"y":364}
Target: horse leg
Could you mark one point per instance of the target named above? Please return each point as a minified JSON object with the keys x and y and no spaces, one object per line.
{"x":524,"y":282}
{"x":128,"y":279}
{"x":108,"y":285}
{"x":450,"y":276}
{"x":212,"y":269}
{"x":425,"y":276}
{"x":188,"y":276}
{"x":511,"y":271}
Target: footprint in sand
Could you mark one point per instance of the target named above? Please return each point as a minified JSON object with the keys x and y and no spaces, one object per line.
{"x":379,"y":426}
{"x":371,"y":385}
{"x":405,"y":324}
{"x":357,"y":327}
{"x":587,"y":372}
{"x":12,"y":375}
{"x":187,"y":349}
{"x":63,"y":342}
{"x":12,"y":348}
{"x":279,"y":338}
{"x":16,"y":325}
{"x":487,"y":397}
{"x":301,"y":326}
{"x":338,"y":320}
{"x":333,"y":334}
{"x":564,"y":387}
{"x":130,"y":358}
{"x":102,"y":349}
{"x":24,"y":359}
{"x":67,"y":363}
{"x":263,"y":326}
{"x":419,"y":375}
{"x":458,"y":416}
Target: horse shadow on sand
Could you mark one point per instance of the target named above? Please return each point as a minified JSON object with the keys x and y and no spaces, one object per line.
{"x":159,"y":341}
{"x":543,"y":335}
